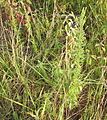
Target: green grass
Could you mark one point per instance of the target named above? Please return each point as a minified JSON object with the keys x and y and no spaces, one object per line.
{"x":44,"y":65}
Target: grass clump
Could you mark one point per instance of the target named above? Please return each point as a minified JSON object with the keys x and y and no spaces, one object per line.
{"x":53,"y":60}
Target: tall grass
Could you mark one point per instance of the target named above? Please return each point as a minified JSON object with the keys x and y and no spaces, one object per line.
{"x":45,"y":64}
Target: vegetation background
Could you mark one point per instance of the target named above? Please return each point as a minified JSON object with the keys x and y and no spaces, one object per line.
{"x":50,"y":70}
